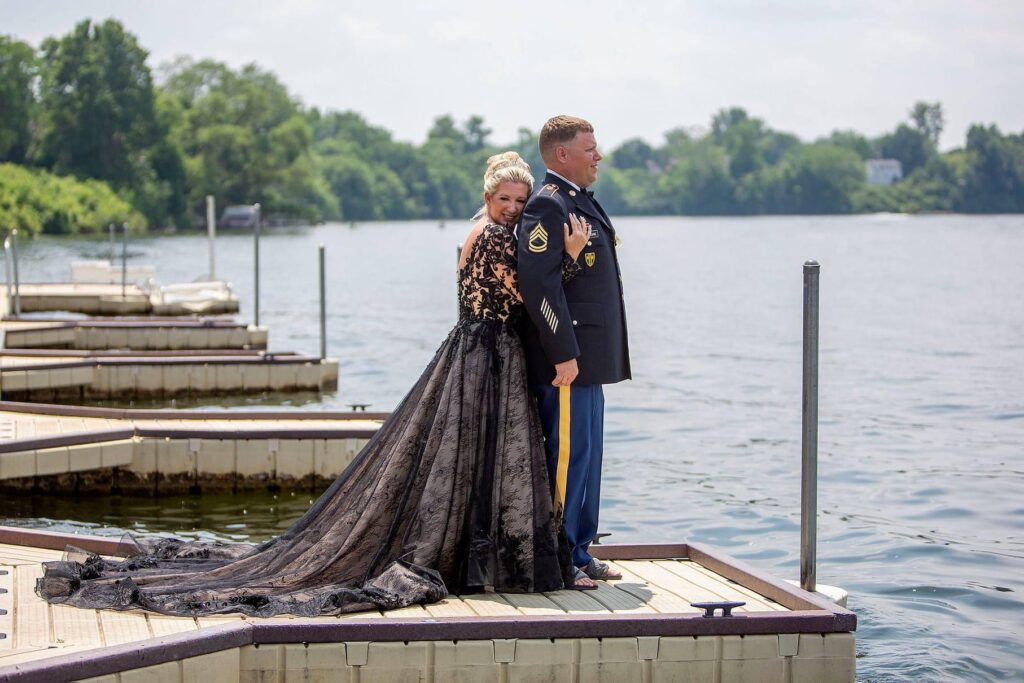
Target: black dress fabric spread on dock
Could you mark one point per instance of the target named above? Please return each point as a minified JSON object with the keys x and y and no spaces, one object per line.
{"x":451,"y":494}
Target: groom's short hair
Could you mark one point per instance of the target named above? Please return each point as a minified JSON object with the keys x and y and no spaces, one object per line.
{"x":559,"y":130}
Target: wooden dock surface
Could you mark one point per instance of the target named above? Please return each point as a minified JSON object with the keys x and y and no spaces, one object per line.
{"x":37,"y":630}
{"x":642,"y":627}
{"x":17,"y":426}
{"x":170,"y":452}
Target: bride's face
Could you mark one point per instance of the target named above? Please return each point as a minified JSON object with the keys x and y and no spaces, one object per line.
{"x":507,"y":202}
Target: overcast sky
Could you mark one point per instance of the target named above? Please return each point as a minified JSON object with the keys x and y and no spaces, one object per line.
{"x":633,"y":69}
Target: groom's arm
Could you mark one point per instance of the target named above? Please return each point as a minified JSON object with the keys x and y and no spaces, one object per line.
{"x":541,"y":246}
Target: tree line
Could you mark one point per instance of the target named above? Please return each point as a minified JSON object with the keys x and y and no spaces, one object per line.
{"x":89,"y":135}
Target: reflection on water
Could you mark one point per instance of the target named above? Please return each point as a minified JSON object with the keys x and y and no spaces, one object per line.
{"x":922,"y":416}
{"x":224,"y":517}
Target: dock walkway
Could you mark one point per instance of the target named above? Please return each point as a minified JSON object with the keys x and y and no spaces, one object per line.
{"x":107,"y":299}
{"x":641,"y":628}
{"x":138,"y":333}
{"x":169,"y":452}
{"x":67,"y":374}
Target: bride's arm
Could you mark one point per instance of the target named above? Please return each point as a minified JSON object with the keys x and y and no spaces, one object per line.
{"x":503,"y":261}
{"x":504,"y":267}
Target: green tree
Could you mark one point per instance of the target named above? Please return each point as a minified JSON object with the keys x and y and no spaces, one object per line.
{"x":246,"y":140}
{"x":995,"y":179}
{"x":98,"y":104}
{"x":99,"y":119}
{"x":476,"y":133}
{"x":742,"y":137}
{"x":853,"y":141}
{"x":18,"y":71}
{"x":823,"y":179}
{"x":633,"y":153}
{"x":909,"y":146}
{"x":699,"y":181}
{"x":528,"y":147}
{"x":928,"y":119}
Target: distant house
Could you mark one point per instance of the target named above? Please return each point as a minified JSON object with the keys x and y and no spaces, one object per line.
{"x":883,"y":171}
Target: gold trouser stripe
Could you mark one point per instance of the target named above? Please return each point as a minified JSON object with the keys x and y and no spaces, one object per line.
{"x":562,"y":471}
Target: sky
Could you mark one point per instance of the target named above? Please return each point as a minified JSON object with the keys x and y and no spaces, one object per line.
{"x":633,"y":69}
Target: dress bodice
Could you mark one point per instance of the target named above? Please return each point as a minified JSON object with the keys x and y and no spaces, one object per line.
{"x":487,"y":281}
{"x":488,"y":289}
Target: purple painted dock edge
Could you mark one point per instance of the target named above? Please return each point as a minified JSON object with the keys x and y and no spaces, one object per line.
{"x":811,"y":614}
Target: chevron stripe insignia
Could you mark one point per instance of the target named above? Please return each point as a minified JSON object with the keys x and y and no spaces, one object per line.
{"x":549,"y":315}
{"x":538,"y":239}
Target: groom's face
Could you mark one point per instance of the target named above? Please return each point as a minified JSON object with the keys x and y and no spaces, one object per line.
{"x":582,"y":159}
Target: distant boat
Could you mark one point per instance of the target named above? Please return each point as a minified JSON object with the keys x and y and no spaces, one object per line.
{"x":239,"y":216}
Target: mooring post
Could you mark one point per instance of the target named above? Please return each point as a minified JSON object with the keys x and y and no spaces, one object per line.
{"x":124,"y":259}
{"x":8,"y":267}
{"x":809,"y":440}
{"x":211,"y":234}
{"x":256,"y":265}
{"x":17,"y":278}
{"x":323,"y":306}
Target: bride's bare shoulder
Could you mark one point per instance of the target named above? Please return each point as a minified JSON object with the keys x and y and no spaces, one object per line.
{"x":471,"y":238}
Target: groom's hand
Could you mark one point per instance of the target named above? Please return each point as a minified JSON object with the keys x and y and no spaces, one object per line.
{"x":565,"y":373}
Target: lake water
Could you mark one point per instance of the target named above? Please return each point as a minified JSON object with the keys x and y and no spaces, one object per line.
{"x":921,"y":490}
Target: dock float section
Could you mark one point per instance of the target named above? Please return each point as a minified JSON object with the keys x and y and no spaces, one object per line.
{"x":103,"y":451}
{"x":140,"y":333}
{"x":107,"y":299}
{"x":641,"y":628}
{"x":68,"y":374}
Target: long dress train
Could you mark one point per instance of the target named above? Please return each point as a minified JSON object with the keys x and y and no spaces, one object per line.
{"x":451,"y":494}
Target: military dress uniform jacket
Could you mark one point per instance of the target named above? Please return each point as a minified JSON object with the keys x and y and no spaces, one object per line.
{"x":584,"y":318}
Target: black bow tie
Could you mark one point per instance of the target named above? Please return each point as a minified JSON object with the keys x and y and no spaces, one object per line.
{"x":589,"y":193}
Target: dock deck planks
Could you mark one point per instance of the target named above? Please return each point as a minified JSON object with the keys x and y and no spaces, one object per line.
{"x":37,"y":630}
{"x":654,"y":593}
{"x":23,"y":425}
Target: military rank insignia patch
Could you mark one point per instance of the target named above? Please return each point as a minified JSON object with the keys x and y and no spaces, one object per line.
{"x":591,"y":258}
{"x":549,"y":315}
{"x":538,"y":239}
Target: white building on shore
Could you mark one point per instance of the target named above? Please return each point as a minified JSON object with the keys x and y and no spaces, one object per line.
{"x":883,"y":171}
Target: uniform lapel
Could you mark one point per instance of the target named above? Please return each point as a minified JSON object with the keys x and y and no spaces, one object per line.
{"x":578,"y":202}
{"x":604,"y":216}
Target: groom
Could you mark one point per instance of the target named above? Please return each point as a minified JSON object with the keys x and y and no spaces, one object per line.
{"x":575,"y":333}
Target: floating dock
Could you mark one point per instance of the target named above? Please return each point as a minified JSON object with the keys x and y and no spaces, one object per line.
{"x":212,"y":298}
{"x":67,"y":375}
{"x":103,"y":451}
{"x":145,"y":333}
{"x":641,"y":628}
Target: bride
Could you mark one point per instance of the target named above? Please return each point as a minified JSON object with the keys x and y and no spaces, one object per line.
{"x":451,"y":494}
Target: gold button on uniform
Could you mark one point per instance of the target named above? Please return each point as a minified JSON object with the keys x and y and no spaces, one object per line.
{"x":590,"y":244}
{"x":574,"y":323}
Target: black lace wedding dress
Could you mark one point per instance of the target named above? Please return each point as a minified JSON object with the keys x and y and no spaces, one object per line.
{"x":451,"y":494}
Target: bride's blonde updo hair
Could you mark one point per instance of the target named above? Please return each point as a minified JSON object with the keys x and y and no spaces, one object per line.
{"x":507,"y":167}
